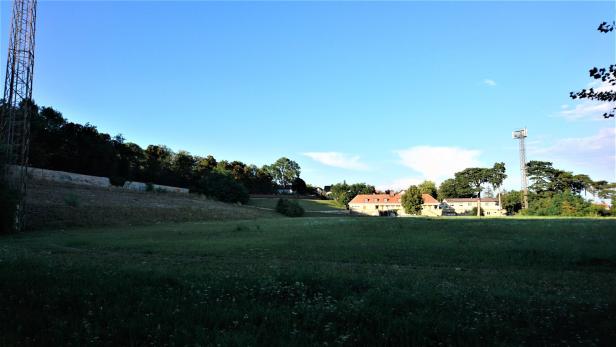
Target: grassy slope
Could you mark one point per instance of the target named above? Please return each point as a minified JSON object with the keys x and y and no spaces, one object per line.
{"x":53,"y":205}
{"x":313,"y":208}
{"x":310,"y":280}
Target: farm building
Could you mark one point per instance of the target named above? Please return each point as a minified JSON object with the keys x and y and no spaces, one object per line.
{"x":489,"y":206}
{"x":391,"y":205}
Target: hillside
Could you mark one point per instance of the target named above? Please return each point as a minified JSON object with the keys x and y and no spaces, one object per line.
{"x":56,"y":205}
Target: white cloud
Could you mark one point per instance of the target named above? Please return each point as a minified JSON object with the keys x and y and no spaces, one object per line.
{"x":489,"y":82}
{"x":437,"y":163}
{"x":589,"y":109}
{"x":594,"y":155}
{"x":337,"y":159}
{"x":586,"y":109}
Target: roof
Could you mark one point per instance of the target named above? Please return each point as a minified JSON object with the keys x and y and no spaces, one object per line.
{"x":374,"y":198}
{"x":391,"y":198}
{"x":429,"y":200}
{"x":470,"y":200}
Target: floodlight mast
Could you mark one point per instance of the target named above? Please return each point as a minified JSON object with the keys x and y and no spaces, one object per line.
{"x":16,"y":107}
{"x":521,"y":135}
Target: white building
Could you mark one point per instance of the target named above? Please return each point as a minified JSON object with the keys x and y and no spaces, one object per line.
{"x":489,"y":206}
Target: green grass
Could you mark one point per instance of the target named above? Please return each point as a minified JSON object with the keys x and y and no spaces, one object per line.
{"x":309,"y":281}
{"x":308,"y":205}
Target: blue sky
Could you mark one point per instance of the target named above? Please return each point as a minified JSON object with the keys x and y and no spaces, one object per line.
{"x":387,"y":93}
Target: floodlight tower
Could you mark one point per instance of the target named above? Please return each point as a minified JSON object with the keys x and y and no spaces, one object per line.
{"x":521,"y":135}
{"x":16,"y":107}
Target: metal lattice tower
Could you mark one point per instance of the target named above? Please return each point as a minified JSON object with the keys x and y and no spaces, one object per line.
{"x":16,"y":109}
{"x":521,"y":135}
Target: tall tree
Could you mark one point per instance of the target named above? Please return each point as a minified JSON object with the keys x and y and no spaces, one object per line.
{"x":428,"y":187}
{"x":412,"y":201}
{"x":475,"y":177}
{"x":284,"y":171}
{"x":496,"y":177}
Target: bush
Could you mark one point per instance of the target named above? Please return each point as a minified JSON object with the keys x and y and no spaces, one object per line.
{"x":559,"y":204}
{"x":223,"y":188}
{"x":289,"y":208}
{"x":117,"y":181}
{"x":474,"y":211}
{"x":8,"y":207}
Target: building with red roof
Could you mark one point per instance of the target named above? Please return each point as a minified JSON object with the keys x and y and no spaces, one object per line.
{"x":390,"y":205}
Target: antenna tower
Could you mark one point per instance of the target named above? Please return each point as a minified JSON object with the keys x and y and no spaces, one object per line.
{"x":521,"y":135}
{"x":17,"y":102}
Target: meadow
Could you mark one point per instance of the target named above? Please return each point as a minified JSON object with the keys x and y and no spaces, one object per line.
{"x":313,"y":281}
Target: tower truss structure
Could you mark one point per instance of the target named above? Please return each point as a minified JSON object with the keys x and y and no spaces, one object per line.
{"x":521,"y":135}
{"x":16,"y":107}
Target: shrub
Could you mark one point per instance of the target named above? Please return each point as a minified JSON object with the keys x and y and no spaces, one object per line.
{"x":149,"y":187}
{"x":222,"y":187}
{"x":117,"y":181}
{"x":474,"y":212}
{"x":289,"y":208}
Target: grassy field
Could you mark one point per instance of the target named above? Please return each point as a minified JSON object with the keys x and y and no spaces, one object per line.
{"x":309,"y":281}
{"x":313,"y":208}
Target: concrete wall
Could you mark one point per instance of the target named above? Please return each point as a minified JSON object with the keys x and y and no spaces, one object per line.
{"x":62,"y":177}
{"x":86,"y":180}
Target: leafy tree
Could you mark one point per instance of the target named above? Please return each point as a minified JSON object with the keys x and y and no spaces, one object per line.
{"x":344,"y":193}
{"x":428,"y":187}
{"x":284,"y":171}
{"x":412,"y":201}
{"x":157,"y":162}
{"x":182,"y":165}
{"x":299,"y":186}
{"x":606,"y":75}
{"x":222,"y":187}
{"x":496,"y":178}
{"x":511,"y":201}
{"x":563,"y":203}
{"x":474,"y":178}
{"x":447,"y":189}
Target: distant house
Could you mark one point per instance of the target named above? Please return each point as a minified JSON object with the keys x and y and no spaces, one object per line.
{"x":391,"y":205}
{"x":489,"y":206}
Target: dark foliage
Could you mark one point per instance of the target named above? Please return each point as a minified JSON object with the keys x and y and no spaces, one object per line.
{"x":222,"y":187}
{"x":289,"y":208}
{"x":57,"y":144}
{"x":606,"y":75}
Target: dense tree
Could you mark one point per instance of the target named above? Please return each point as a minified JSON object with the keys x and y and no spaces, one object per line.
{"x":344,"y":193}
{"x":547,"y":180}
{"x":222,"y":187}
{"x":299,"y":186}
{"x":496,"y":178}
{"x":412,"y":201}
{"x":61,"y":145}
{"x":511,"y":201}
{"x":563,"y":203}
{"x":284,"y":171}
{"x":428,"y":187}
{"x":474,"y":177}
{"x":605,"y":75}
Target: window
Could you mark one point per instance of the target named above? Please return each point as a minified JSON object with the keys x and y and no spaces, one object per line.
{"x":385,"y":200}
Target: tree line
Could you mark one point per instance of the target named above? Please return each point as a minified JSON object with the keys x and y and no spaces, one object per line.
{"x":552,"y":192}
{"x":58,"y":144}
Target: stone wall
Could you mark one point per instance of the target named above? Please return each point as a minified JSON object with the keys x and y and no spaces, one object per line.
{"x":86,"y":180}
{"x":62,"y":177}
